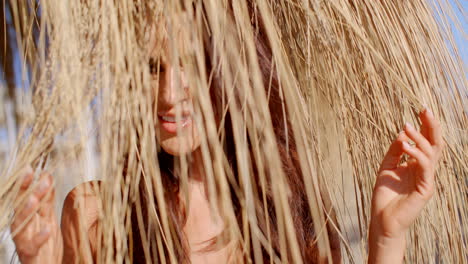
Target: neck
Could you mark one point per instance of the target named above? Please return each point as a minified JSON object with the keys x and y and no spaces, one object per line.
{"x":196,"y":171}
{"x":196,"y":166}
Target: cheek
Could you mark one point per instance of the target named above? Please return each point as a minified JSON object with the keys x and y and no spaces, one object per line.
{"x":158,"y":88}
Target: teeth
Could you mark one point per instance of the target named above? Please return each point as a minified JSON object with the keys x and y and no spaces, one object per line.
{"x":172,"y":118}
{"x":168,"y":118}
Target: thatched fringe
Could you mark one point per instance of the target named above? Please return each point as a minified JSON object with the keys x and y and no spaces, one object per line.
{"x":350,"y":74}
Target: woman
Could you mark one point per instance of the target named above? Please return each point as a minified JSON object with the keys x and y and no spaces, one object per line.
{"x":400,"y":193}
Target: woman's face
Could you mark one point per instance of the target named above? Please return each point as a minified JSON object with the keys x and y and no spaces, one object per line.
{"x":175,"y":125}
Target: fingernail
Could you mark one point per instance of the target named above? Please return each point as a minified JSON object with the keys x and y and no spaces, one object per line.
{"x":429,"y":112}
{"x":26,"y":172}
{"x":29,"y":203}
{"x":408,"y":125}
{"x":43,"y":185}
{"x":406,"y":145}
{"x":44,"y":231}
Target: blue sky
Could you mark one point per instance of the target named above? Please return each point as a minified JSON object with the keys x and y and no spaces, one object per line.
{"x":461,"y":40}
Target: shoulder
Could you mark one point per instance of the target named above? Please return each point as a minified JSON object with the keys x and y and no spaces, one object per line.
{"x":83,"y":199}
{"x":80,"y":220}
{"x":86,"y":189}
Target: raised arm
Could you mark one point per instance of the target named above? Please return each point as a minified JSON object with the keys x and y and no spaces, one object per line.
{"x":35,"y":230}
{"x":402,"y":190}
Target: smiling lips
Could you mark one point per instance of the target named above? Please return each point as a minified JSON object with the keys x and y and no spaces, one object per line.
{"x":169,"y":122}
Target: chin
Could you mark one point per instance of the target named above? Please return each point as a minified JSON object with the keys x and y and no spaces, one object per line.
{"x":178,"y":146}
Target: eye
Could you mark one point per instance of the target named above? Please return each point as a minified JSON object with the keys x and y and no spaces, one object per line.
{"x":155,"y":66}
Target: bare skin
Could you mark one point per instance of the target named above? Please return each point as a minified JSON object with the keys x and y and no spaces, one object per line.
{"x":81,"y":203}
{"x":400,"y":193}
{"x":40,"y":240}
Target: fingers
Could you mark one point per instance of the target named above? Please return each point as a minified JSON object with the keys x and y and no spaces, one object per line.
{"x":25,"y":212}
{"x":432,"y":129}
{"x":44,"y":186}
{"x":430,"y":139}
{"x":419,"y":139}
{"x":429,"y":143}
{"x":26,"y":175}
{"x":47,"y":208}
{"x":42,"y":236}
{"x":394,"y":153}
{"x":29,"y":247}
{"x":34,"y":219}
{"x":414,"y":152}
{"x":40,"y":200}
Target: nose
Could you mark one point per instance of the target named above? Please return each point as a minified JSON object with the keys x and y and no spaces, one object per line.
{"x":174,"y":87}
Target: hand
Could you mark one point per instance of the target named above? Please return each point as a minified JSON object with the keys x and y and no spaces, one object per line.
{"x":402,"y":190}
{"x":36,"y":233}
